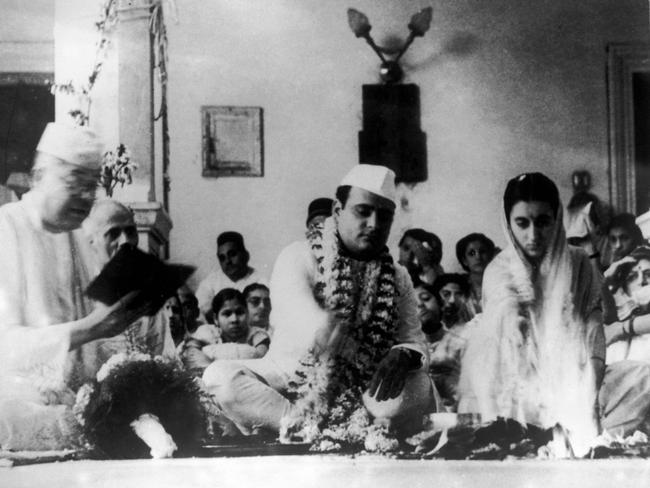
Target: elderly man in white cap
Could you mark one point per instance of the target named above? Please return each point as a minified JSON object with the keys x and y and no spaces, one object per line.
{"x":338,"y":300}
{"x":46,"y":322}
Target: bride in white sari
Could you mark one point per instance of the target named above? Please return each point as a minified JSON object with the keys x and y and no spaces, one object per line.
{"x":538,"y":352}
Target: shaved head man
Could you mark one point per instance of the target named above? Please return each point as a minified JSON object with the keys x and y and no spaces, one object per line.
{"x":109,"y":226}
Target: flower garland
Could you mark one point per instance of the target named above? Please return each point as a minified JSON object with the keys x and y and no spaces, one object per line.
{"x":328,"y":387}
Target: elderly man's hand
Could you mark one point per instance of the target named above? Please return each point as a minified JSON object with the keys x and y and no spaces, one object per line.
{"x":390,"y":377}
{"x":114,"y":319}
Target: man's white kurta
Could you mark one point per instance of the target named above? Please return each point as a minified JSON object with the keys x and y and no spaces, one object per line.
{"x":299,"y":321}
{"x":43,"y":276}
{"x":42,"y":280}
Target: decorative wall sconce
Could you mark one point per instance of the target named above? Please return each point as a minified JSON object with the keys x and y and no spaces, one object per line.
{"x":581,"y":181}
{"x":390,"y":70}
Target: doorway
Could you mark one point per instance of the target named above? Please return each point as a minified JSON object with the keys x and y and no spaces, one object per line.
{"x":26,"y":106}
{"x":628,"y":76}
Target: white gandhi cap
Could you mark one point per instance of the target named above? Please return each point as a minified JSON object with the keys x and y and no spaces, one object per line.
{"x":73,"y":144}
{"x":376,"y":179}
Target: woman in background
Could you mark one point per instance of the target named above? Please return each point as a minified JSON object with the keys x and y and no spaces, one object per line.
{"x":420,"y":252}
{"x":474,"y":252}
{"x":628,"y":280}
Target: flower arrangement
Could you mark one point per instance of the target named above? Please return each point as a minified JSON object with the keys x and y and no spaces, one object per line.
{"x":141,"y":406}
{"x":329,"y":385}
{"x":117,"y":168}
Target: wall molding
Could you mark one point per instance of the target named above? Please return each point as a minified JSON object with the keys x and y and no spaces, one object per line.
{"x":623,"y":60}
{"x":28,"y":78}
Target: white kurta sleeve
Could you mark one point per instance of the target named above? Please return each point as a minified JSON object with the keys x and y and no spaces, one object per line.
{"x":296,"y":317}
{"x":409,"y":334}
{"x":27,"y":351}
{"x":204,"y":294}
{"x":230,"y":350}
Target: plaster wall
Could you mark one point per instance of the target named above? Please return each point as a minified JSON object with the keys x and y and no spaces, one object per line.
{"x":26,"y":36}
{"x":506,"y":87}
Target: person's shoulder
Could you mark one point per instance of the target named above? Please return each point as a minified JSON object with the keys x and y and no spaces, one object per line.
{"x":298,"y":250}
{"x":498,"y":264}
{"x":402,"y":277}
{"x":12,"y":210}
{"x":295,"y":262}
{"x":14,"y":221}
{"x":297,"y":247}
{"x":215,"y":275}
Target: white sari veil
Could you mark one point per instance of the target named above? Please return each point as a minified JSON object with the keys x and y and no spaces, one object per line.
{"x":529,"y":357}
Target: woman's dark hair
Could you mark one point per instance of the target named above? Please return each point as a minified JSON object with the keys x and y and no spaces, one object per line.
{"x":223,"y":296}
{"x":619,"y":278}
{"x":531,"y":187}
{"x":461,"y":246}
{"x":417,"y":283}
{"x":253,"y":287}
{"x":430,"y":238}
{"x":641,"y":252}
{"x":457,"y":278}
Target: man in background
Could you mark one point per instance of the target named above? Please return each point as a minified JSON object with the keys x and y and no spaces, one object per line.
{"x":318,"y":210}
{"x":258,"y":302}
{"x":623,"y":235}
{"x":233,"y":272}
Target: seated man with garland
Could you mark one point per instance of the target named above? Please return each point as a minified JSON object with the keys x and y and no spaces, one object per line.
{"x":348,"y":348}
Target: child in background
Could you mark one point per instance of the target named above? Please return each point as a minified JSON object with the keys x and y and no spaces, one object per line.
{"x":446,"y":343}
{"x":238,"y":340}
{"x":230,"y":338}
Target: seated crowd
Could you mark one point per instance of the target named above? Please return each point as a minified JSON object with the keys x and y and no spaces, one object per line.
{"x":541,"y":332}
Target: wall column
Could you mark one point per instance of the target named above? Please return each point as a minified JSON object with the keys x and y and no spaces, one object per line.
{"x":136,"y":122}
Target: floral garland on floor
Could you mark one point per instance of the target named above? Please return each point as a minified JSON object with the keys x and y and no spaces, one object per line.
{"x":328,"y":387}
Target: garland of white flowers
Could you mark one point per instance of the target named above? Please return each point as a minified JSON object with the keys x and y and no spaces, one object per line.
{"x":328,"y":387}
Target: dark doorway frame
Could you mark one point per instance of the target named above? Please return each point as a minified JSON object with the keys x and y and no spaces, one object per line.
{"x":623,"y":61}
{"x":27,"y":79}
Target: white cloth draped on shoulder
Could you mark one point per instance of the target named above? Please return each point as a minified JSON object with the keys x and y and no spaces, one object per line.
{"x":529,"y":357}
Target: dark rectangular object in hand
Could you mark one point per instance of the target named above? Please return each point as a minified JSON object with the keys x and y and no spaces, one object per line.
{"x":132,"y":269}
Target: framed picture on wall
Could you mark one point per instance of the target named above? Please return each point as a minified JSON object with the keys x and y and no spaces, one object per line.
{"x":232,"y":141}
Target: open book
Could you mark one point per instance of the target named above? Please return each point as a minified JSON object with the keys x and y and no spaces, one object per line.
{"x":132,"y":269}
